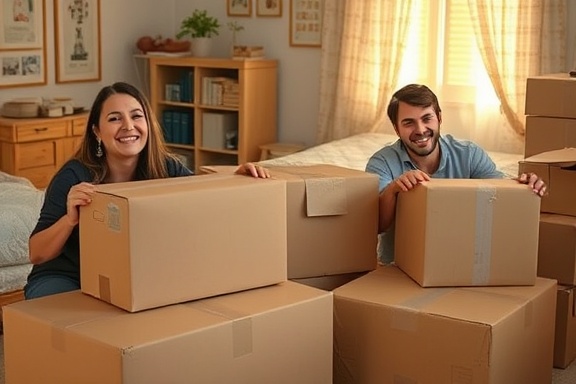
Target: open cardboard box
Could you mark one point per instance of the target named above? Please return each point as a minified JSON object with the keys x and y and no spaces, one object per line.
{"x":558,"y":170}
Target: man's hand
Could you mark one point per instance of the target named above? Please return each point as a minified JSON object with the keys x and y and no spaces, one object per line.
{"x":536,"y":183}
{"x":410,"y":179}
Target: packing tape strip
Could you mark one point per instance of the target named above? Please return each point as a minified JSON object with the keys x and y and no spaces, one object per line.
{"x":485,"y":196}
{"x":242,"y":335}
{"x":407,"y":318}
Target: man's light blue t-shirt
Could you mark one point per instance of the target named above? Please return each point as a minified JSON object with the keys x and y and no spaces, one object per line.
{"x":459,"y":159}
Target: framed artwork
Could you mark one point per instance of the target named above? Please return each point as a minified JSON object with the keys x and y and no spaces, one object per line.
{"x":306,"y":23}
{"x":22,"y":24}
{"x":22,"y":68}
{"x":239,"y":8}
{"x":77,"y":40}
{"x":269,"y":8}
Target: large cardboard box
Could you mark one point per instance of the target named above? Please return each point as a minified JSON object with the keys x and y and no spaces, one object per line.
{"x":152,"y":243}
{"x":545,"y":134}
{"x":276,"y":334}
{"x":389,"y":329}
{"x":557,"y":248}
{"x":558,"y":170}
{"x":466,"y":232}
{"x":332,"y":215}
{"x":551,"y":95}
{"x":565,"y":336}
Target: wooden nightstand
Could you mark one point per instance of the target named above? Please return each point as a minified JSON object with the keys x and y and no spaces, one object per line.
{"x":35,"y":148}
{"x":273,"y":150}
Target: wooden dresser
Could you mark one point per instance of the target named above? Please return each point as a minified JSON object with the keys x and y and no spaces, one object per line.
{"x":36,"y":148}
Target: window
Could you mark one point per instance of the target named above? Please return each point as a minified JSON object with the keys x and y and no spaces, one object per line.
{"x":442,"y":53}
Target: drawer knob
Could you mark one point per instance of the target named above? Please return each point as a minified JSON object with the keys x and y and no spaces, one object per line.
{"x":38,"y":130}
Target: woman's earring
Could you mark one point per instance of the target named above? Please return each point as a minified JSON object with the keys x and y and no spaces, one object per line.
{"x":99,"y":151}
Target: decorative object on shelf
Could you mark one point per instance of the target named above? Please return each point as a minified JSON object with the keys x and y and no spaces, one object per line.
{"x":77,"y":37}
{"x":24,"y":107}
{"x":200,"y":27}
{"x":235,"y":28}
{"x":269,"y":8}
{"x":239,"y":8}
{"x":22,"y":43}
{"x":306,"y":23}
{"x":244,"y":52}
{"x":147,"y":44}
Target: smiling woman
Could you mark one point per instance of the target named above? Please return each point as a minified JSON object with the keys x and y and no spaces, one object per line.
{"x":123,"y":142}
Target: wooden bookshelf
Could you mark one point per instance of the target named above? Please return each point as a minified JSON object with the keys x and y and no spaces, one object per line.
{"x":190,"y":88}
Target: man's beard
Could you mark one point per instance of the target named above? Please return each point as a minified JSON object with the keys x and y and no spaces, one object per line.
{"x":423,"y":152}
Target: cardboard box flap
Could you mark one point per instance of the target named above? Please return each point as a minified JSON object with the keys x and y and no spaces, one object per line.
{"x":491,"y":303}
{"x":178,"y":185}
{"x":565,"y":157}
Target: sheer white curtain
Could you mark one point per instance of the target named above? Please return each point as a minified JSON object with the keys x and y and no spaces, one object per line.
{"x":362,"y":47}
{"x":372,"y":47}
{"x":516,"y":39}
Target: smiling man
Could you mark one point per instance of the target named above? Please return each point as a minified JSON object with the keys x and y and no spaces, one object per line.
{"x":422,"y":153}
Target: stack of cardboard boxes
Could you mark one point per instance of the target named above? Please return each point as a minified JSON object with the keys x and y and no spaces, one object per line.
{"x":550,"y":152}
{"x":186,"y":280}
{"x":463,"y":303}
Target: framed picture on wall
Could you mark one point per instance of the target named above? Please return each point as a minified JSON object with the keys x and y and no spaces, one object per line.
{"x":269,"y":8}
{"x":22,"y":68}
{"x":306,"y":23}
{"x":22,"y":24}
{"x":77,"y":40}
{"x":239,"y":8}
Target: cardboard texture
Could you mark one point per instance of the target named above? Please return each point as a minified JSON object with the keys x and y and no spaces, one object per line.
{"x":332,"y":215}
{"x":466,"y":232}
{"x":551,"y":95}
{"x":276,"y":334}
{"x":558,"y":170}
{"x":545,"y":134}
{"x":565,"y":336}
{"x":557,"y":248}
{"x":158,"y":242}
{"x":388,"y":329}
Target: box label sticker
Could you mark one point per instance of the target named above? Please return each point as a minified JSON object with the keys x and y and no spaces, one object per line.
{"x":113,"y":217}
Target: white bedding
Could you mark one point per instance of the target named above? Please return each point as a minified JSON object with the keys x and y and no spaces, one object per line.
{"x":20,"y":204}
{"x":354,"y":152}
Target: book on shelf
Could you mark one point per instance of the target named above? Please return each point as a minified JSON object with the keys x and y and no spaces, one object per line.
{"x":177,"y":126}
{"x":215,"y":89}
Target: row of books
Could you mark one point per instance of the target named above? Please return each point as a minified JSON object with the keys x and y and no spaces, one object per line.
{"x":178,"y":126}
{"x":183,"y":90}
{"x":220,"y":90}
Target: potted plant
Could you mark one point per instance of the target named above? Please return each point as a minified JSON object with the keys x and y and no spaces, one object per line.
{"x":200,"y":28}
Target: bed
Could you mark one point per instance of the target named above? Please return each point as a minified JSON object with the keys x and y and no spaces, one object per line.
{"x":20,"y":204}
{"x":354,"y":152}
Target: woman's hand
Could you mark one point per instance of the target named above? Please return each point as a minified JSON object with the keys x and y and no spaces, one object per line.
{"x":251,"y":169}
{"x":79,"y":195}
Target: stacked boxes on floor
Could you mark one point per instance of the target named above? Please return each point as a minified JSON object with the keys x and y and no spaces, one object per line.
{"x":186,"y":280}
{"x":550,"y":152}
{"x":463,"y":303}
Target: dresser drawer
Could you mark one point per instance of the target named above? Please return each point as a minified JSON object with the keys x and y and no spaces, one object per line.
{"x":41,"y":131}
{"x":79,"y":126}
{"x":39,"y":176}
{"x":31,"y":155}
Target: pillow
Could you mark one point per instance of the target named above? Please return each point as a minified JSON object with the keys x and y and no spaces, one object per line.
{"x":20,"y":204}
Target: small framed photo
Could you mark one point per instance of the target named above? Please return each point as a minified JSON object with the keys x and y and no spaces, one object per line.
{"x":77,"y":40}
{"x":22,"y":68}
{"x":23,"y":24}
{"x":306,"y":23}
{"x":269,"y":8}
{"x":239,"y":8}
